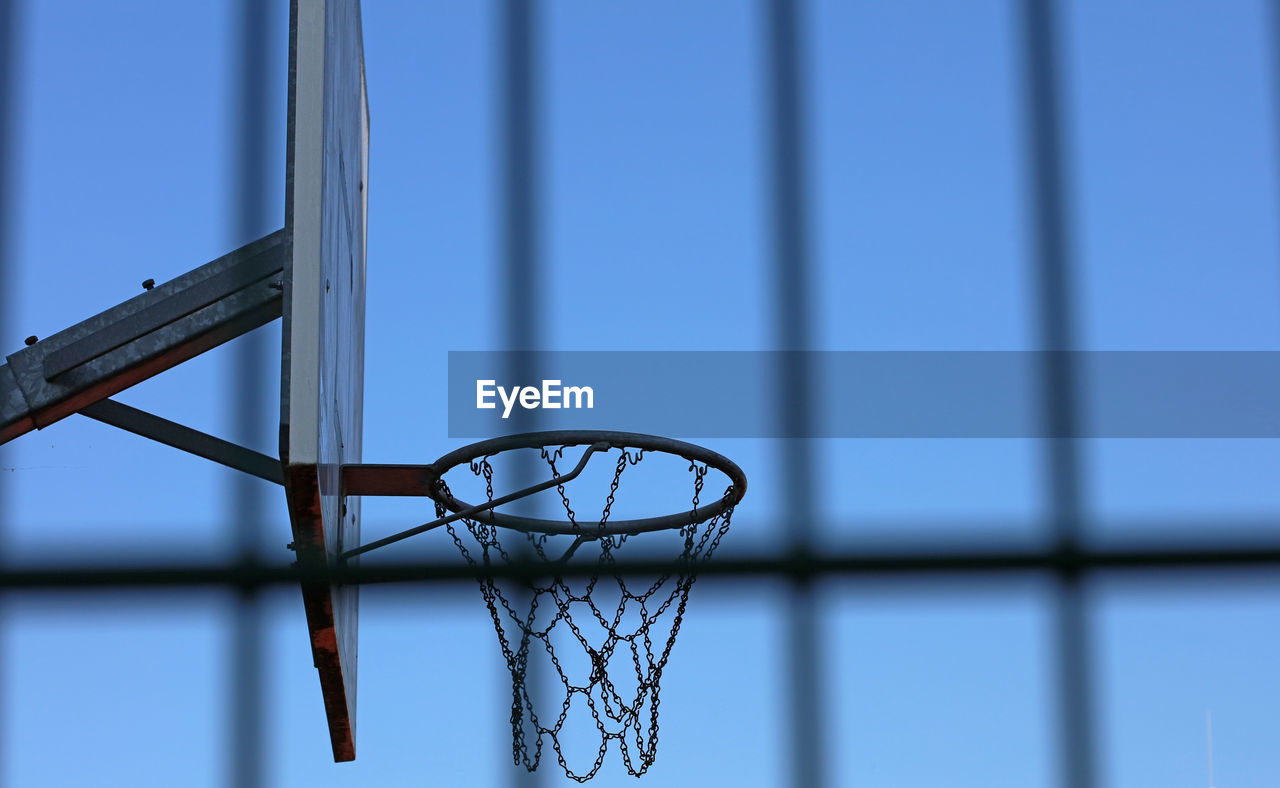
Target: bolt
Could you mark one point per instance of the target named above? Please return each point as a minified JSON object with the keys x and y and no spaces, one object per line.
{"x":276,"y":284}
{"x":31,"y":340}
{"x":289,"y":546}
{"x":148,"y":284}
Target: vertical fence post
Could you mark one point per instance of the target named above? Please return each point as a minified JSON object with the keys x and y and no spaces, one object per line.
{"x":794,"y":395}
{"x":520,"y":270}
{"x":251,"y":50}
{"x":1051,"y":258}
{"x":9,"y":49}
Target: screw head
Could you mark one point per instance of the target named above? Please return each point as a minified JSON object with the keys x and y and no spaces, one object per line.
{"x":148,"y":284}
{"x":31,"y":340}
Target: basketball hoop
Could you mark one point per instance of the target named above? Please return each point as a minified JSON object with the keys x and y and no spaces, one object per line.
{"x":614,"y":631}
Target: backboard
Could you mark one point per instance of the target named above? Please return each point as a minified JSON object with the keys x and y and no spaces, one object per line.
{"x":322,"y":379}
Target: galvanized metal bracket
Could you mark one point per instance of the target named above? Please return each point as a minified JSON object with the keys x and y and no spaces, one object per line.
{"x":76,"y":370}
{"x":160,"y":328}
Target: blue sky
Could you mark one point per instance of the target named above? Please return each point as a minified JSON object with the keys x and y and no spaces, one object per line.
{"x":655,"y":235}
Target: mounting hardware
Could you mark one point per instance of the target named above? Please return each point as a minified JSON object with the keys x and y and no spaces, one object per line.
{"x":147,"y":284}
{"x":31,"y":340}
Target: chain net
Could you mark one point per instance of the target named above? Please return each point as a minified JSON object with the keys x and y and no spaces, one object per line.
{"x":620,"y":630}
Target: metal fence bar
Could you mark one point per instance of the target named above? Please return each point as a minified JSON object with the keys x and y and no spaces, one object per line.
{"x":1051,"y":258}
{"x":968,"y":566}
{"x":251,"y":49}
{"x":521,"y":269}
{"x":1273,"y":44}
{"x":9,"y":51}
{"x":791,"y":275}
{"x":518,"y":134}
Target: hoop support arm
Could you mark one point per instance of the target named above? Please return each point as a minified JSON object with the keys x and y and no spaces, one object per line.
{"x":388,"y":480}
{"x":55,"y":377}
{"x":428,"y":473}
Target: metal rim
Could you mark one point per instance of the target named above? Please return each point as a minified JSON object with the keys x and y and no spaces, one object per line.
{"x":614,"y":440}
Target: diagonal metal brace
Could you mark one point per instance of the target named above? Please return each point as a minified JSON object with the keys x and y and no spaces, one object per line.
{"x":201,"y":444}
{"x":429,"y":474}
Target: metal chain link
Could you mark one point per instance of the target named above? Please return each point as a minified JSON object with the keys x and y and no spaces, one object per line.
{"x":622,"y":718}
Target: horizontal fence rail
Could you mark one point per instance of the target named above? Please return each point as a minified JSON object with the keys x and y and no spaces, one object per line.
{"x":862,"y":564}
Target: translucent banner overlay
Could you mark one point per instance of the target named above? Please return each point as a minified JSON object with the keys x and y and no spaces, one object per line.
{"x":869,"y":394}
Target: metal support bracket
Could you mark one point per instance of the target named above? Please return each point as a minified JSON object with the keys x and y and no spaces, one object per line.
{"x":201,"y":444}
{"x":142,"y":337}
{"x":408,"y":479}
{"x":388,"y":480}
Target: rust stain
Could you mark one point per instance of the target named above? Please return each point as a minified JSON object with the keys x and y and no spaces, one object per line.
{"x":302,"y":487}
